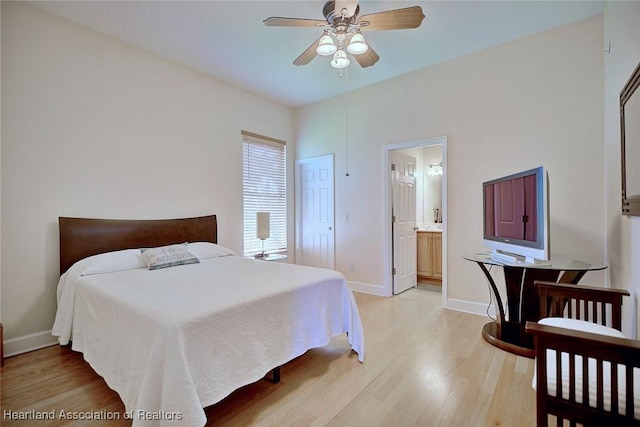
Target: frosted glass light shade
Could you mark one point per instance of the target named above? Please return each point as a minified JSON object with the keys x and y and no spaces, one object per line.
{"x":263,"y":225}
{"x":357,"y":45}
{"x":340,"y":59}
{"x":326,"y":46}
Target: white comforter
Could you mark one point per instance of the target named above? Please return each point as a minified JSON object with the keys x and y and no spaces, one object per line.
{"x":175,"y":340}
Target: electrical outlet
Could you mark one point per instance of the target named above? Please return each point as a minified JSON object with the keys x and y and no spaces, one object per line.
{"x":351,"y":268}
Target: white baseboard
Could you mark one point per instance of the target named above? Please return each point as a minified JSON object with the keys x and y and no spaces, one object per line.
{"x":19,"y":345}
{"x":471,"y":307}
{"x":367,"y":288}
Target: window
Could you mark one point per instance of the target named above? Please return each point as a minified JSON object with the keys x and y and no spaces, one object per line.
{"x":264,"y":190}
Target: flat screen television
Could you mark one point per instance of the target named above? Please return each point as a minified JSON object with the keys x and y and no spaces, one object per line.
{"x":516,"y":217}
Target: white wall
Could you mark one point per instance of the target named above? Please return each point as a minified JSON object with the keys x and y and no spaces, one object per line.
{"x":0,"y":170}
{"x":623,"y":233}
{"x":535,"y":101}
{"x":94,"y":127}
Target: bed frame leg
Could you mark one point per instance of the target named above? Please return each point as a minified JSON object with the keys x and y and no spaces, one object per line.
{"x":275,"y":378}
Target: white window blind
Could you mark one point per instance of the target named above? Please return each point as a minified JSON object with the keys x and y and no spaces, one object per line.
{"x":264,"y":190}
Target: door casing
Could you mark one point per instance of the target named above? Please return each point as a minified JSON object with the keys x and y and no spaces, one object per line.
{"x":388,"y":260}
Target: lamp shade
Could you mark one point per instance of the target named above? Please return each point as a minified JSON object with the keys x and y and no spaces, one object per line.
{"x":326,"y":46}
{"x":263,"y":225}
{"x":357,"y":45}
{"x":340,"y":59}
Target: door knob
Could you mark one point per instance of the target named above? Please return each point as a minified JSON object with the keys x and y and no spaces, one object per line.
{"x":330,"y":228}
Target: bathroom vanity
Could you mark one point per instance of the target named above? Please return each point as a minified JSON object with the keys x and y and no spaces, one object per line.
{"x":429,"y":254}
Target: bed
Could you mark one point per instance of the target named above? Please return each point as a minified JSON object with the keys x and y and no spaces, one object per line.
{"x":175,"y":340}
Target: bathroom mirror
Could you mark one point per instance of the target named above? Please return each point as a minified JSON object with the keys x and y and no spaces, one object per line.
{"x":630,"y":144}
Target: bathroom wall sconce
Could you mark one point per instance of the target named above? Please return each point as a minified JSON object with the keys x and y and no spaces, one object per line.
{"x":434,"y":169}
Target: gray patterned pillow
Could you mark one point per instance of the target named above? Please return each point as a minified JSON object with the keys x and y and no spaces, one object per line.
{"x":168,"y":256}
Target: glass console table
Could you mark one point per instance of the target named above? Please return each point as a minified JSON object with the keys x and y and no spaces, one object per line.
{"x":507,"y":331}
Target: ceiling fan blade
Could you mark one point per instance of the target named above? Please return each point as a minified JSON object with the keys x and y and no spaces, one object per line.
{"x":349,"y":5}
{"x":306,"y":56}
{"x":276,"y":21}
{"x":368,"y":58}
{"x":398,"y":19}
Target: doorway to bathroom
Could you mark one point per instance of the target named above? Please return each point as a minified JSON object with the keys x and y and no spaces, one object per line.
{"x":415,"y":197}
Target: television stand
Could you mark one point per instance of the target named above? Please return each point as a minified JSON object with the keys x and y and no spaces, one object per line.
{"x":522,"y":303}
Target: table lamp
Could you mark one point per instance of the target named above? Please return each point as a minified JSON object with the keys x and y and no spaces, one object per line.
{"x":263,"y":226}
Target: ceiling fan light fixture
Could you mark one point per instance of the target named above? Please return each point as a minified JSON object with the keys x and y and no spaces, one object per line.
{"x":357,"y":45}
{"x":340,"y":59}
{"x":342,"y":24}
{"x":326,"y":46}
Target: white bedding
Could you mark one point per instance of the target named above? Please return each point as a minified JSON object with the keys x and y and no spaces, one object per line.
{"x":175,"y":340}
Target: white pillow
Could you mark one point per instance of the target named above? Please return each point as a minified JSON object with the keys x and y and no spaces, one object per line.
{"x":168,"y":256}
{"x":109,"y":262}
{"x":204,"y":250}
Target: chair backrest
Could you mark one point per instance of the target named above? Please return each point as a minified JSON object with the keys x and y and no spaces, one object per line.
{"x":589,"y":303}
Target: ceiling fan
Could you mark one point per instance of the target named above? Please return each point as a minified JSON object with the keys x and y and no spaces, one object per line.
{"x":343,"y":30}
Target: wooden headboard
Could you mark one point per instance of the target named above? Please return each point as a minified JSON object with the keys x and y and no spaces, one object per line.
{"x":83,"y":237}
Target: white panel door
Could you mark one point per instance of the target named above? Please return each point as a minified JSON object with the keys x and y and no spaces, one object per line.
{"x":315,"y":236}
{"x":403,"y":211}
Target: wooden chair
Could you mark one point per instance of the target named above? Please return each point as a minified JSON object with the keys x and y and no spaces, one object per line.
{"x":580,"y":351}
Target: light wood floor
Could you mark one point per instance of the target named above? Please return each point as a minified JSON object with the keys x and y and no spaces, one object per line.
{"x":424,"y":366}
